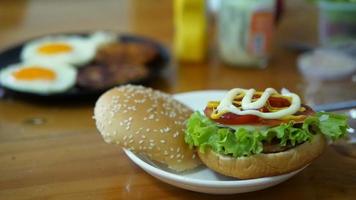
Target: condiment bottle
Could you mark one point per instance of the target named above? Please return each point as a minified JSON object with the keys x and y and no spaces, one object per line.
{"x":190,"y":38}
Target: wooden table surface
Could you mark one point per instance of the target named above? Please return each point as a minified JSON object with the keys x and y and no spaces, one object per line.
{"x":53,"y":151}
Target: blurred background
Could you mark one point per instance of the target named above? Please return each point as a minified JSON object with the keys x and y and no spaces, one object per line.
{"x":48,"y":141}
{"x":297,"y":27}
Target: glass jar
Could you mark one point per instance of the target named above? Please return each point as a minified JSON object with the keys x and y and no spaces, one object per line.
{"x":245,"y":29}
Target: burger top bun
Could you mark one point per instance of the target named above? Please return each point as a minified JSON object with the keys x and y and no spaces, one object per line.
{"x":146,"y":121}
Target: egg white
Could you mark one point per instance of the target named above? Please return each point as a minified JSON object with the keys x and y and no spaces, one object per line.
{"x":65,"y":78}
{"x":82,"y":52}
{"x":83,"y":48}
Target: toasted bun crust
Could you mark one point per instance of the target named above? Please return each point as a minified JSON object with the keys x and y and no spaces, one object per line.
{"x":263,"y":165}
{"x":147,"y":122}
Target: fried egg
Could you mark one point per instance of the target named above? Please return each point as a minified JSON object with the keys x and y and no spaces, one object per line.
{"x":73,"y":50}
{"x":101,"y":38}
{"x":38,"y":77}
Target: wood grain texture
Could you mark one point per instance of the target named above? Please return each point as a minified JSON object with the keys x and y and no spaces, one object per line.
{"x":53,"y":151}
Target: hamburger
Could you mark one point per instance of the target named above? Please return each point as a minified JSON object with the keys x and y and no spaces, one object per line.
{"x":253,"y":134}
{"x":147,"y":122}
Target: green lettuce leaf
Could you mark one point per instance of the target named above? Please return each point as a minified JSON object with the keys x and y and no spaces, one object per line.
{"x":333,"y":126}
{"x":203,"y":133}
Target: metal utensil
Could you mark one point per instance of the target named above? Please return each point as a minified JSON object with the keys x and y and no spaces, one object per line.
{"x":344,"y":105}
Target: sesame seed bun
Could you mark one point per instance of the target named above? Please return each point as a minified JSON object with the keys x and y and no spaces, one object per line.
{"x":146,"y":121}
{"x":263,"y":165}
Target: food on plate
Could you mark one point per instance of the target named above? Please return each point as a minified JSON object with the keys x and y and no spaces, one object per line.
{"x":102,"y":38}
{"x":147,"y":122}
{"x":250,"y":134}
{"x":117,"y":63}
{"x":38,"y":77}
{"x":102,"y":77}
{"x":133,"y":53}
{"x":99,"y":60}
{"x":69,"y":49}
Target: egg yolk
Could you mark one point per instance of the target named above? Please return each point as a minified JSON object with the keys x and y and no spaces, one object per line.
{"x":54,"y":48}
{"x":34,"y":73}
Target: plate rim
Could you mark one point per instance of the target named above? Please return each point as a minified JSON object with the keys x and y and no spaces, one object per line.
{"x":210,"y":183}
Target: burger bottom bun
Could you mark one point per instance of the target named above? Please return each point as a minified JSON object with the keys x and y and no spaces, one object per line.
{"x":263,"y":165}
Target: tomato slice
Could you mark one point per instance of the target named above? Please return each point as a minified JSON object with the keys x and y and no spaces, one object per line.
{"x":278,"y":102}
{"x":231,"y":118}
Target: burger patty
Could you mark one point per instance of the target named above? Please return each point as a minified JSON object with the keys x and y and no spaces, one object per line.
{"x":126,"y":52}
{"x":275,"y":147}
{"x":104,"y":76}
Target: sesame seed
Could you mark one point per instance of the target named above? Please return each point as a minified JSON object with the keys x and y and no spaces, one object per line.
{"x":141,"y":141}
{"x":163,"y":141}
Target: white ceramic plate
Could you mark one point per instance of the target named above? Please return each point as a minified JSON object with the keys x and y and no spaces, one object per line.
{"x":203,"y":179}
